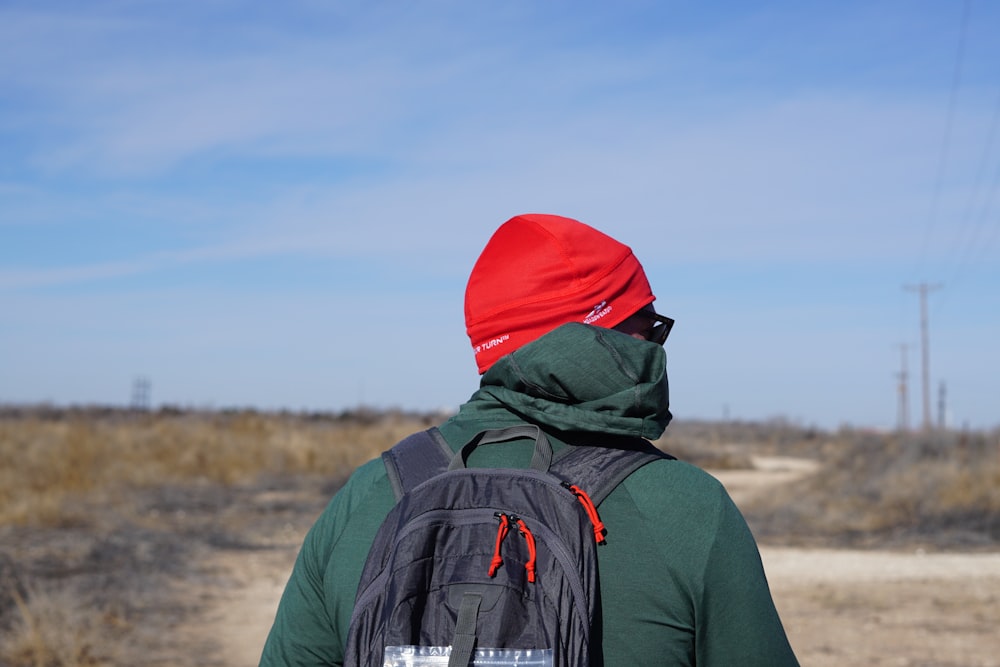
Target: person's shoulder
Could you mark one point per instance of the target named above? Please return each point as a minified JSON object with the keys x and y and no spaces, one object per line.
{"x":679,"y":472}
{"x":675,"y":506}
{"x":366,"y":481}
{"x":676,"y":483}
{"x":368,"y":473}
{"x":364,"y":498}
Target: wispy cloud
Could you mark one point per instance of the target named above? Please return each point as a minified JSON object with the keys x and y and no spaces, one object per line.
{"x":197,"y":143}
{"x":70,"y":275}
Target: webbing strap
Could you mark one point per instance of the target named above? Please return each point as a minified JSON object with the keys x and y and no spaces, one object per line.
{"x":541,"y":459}
{"x":415,"y":459}
{"x":465,"y":631}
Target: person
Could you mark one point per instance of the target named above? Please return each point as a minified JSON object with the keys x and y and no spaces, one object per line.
{"x":565,"y":336}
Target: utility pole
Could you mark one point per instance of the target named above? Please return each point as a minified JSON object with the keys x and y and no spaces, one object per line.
{"x":923,"y":289}
{"x":903,"y":414}
{"x":942,"y":406}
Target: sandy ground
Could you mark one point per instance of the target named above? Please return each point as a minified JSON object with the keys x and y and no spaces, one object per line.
{"x":839,"y":607}
{"x":887,"y":608}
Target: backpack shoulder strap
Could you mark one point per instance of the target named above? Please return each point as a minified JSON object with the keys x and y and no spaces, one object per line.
{"x":598,"y":469}
{"x":415,"y":459}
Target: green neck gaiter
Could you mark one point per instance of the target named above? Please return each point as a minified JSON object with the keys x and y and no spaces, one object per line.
{"x":582,"y":378}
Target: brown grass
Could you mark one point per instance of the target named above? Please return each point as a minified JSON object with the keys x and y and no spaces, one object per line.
{"x":56,"y":457}
{"x":54,"y":628}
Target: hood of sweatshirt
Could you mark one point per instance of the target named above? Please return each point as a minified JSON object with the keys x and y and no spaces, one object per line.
{"x":581,"y":378}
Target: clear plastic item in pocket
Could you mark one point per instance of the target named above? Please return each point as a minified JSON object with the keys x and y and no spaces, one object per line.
{"x":437,"y":656}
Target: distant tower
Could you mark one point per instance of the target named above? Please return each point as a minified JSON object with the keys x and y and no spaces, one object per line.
{"x":140,"y":393}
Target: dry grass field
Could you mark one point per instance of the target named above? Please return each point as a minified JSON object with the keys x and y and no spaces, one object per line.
{"x":165,"y":538}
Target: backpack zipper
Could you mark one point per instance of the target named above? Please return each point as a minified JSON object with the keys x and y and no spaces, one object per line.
{"x":502,"y":531}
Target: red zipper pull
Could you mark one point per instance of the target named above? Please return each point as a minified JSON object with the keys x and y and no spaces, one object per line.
{"x":530,"y":565}
{"x":590,"y":509}
{"x":501,"y":534}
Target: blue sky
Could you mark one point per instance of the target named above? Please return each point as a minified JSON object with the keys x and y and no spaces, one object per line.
{"x":277,"y":205}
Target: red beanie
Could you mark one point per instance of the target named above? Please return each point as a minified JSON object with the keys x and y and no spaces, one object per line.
{"x":541,"y":271}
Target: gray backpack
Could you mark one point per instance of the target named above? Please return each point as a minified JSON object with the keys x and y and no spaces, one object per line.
{"x":488,"y":566}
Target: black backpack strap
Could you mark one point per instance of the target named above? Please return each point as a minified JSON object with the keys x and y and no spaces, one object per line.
{"x":415,"y":459}
{"x":599,"y":469}
{"x":464,"y":643}
{"x":418,"y":457}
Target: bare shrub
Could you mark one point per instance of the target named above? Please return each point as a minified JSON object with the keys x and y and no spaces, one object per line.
{"x":53,"y":628}
{"x":935,"y":489}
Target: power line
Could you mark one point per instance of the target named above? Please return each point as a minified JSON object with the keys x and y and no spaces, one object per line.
{"x":949,"y":122}
{"x":976,"y":217}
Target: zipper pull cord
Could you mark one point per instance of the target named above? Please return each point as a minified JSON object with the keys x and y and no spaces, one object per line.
{"x":501,"y":534}
{"x":530,"y":565}
{"x":590,"y":509}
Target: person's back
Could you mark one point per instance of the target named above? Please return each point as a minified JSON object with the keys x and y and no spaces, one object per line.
{"x":680,"y":576}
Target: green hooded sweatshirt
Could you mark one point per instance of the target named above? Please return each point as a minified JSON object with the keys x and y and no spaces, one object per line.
{"x":680,"y":575}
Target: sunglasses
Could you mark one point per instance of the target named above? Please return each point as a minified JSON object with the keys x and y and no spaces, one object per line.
{"x":649,"y":325}
{"x":660,"y":328}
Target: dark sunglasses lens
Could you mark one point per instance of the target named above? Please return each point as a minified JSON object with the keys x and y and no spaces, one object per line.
{"x":660,"y":331}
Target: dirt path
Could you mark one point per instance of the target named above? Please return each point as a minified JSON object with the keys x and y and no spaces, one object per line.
{"x":239,"y":617}
{"x":767,"y":473}
{"x":840,"y":607}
